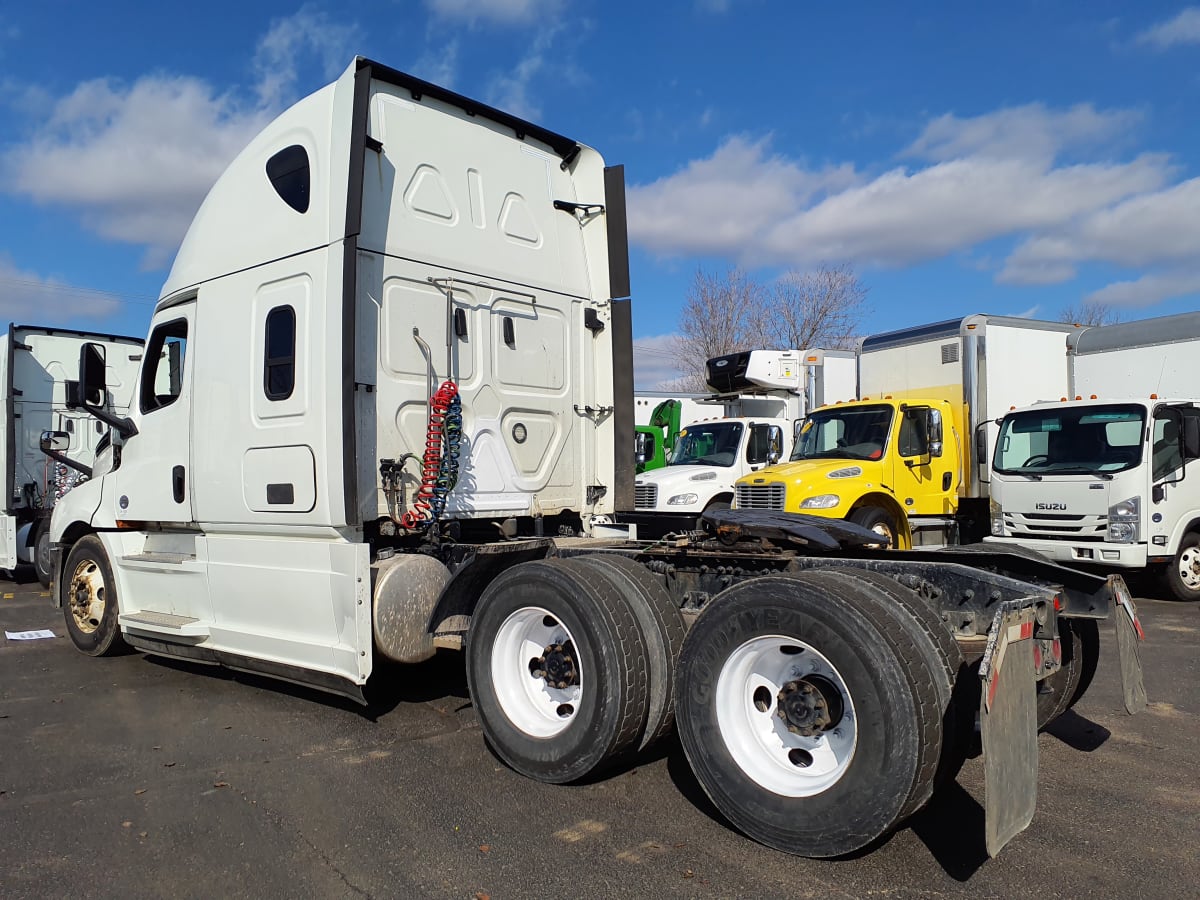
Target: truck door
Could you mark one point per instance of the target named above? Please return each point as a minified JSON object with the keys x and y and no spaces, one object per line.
{"x":154,"y":479}
{"x":923,"y":467}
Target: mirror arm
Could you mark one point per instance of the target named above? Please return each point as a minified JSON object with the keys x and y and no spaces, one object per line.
{"x":124,"y":426}
{"x":68,"y":462}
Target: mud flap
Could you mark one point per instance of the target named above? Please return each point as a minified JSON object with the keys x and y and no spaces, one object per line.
{"x":1008,"y":716}
{"x":1129,"y":635}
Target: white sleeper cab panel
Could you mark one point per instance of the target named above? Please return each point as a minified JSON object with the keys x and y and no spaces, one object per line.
{"x":279,"y":479}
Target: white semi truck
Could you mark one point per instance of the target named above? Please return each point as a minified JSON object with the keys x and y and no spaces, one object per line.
{"x":1107,"y":476}
{"x":38,"y":365}
{"x":761,"y":395}
{"x":403,"y":411}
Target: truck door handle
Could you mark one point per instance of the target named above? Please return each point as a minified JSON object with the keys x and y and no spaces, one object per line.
{"x":177,"y":483}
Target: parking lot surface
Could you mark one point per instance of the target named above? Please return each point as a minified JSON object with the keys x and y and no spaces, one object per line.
{"x":137,"y":777}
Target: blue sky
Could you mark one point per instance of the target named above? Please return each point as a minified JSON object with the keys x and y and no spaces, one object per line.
{"x":1012,"y":159}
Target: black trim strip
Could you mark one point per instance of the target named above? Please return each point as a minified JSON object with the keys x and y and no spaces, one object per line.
{"x":354,"y":192}
{"x":618,"y":231}
{"x":564,"y":146}
{"x":40,"y":329}
{"x":623,"y":418}
{"x":10,"y":439}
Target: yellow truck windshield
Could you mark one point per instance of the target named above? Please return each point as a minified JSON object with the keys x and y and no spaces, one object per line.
{"x":855,"y":432}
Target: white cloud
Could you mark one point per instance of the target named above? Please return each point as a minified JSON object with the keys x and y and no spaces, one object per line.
{"x":1147,"y":290}
{"x":133,"y":161}
{"x":1183,"y":28}
{"x":654,"y":362}
{"x":439,"y":66}
{"x":726,"y":203}
{"x":27,"y":297}
{"x":295,"y":38}
{"x":1030,"y":132}
{"x":500,"y":12}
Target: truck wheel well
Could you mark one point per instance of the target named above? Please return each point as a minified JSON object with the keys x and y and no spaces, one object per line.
{"x":892,"y":508}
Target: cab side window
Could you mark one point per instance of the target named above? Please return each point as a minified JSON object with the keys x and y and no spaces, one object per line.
{"x":162,"y":370}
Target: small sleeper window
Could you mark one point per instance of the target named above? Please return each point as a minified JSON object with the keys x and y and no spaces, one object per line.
{"x":289,"y":174}
{"x":279,"y":374}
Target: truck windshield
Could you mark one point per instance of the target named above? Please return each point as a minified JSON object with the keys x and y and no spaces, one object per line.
{"x":708,"y":444}
{"x":1064,"y":441}
{"x":856,"y":432}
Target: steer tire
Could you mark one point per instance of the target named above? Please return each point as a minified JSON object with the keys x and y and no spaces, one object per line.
{"x":41,"y":554}
{"x":662,"y":630}
{"x":880,"y":521}
{"x":89,"y":600}
{"x":1080,"y":642}
{"x":552,"y":735}
{"x":780,"y":631}
{"x":1179,"y":575}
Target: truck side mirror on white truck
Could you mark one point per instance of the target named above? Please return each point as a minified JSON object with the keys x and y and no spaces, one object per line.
{"x":93,"y":389}
{"x":57,"y":441}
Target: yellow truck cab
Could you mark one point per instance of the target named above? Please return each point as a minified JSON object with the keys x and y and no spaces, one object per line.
{"x":911,"y":459}
{"x":874,"y":462}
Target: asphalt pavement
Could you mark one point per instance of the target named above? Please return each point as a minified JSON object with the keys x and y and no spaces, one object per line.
{"x":135,"y":777}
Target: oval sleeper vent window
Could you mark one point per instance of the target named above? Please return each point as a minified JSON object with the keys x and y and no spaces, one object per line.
{"x":288,"y":171}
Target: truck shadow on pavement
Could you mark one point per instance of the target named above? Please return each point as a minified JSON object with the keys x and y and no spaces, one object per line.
{"x":1078,"y":733}
{"x":389,"y":686}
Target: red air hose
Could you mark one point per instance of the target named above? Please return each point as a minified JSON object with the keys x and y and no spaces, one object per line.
{"x":431,"y":462}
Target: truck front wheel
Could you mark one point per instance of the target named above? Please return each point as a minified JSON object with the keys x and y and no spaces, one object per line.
{"x":41,"y":554}
{"x":879,"y":521}
{"x":556,"y":667}
{"x":1181,"y":577}
{"x":89,"y":599}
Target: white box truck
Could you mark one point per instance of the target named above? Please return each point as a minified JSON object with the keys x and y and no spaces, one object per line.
{"x":38,"y":365}
{"x":1109,"y":476}
{"x":910,"y":458}
{"x":761,"y":395}
{"x":403,"y":402}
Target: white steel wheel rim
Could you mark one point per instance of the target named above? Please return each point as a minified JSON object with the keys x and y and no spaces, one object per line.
{"x":529,"y":702}
{"x":86,"y":596}
{"x":1189,"y":568}
{"x":759,"y":741}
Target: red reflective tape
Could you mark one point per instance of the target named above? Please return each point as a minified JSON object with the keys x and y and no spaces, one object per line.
{"x":1026,"y":630}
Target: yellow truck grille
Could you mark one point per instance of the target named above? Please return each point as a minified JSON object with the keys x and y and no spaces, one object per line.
{"x":761,"y":496}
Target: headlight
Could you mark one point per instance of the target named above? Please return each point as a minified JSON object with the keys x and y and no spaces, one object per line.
{"x":998,"y":528}
{"x":821,"y":501}
{"x":703,"y":476}
{"x":1123,"y":520}
{"x":848,"y":472}
{"x":683,"y":500}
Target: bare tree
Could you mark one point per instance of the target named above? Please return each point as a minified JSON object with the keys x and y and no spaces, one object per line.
{"x":813,"y":309}
{"x":732,"y":312}
{"x":1089,"y":312}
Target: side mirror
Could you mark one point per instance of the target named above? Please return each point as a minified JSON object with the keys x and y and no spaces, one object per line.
{"x":93,"y":389}
{"x":93,"y":385}
{"x":58,"y":441}
{"x":1191,"y":437}
{"x":933,"y":430}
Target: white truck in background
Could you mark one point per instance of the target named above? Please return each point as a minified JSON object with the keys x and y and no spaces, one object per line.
{"x":386,"y":405}
{"x":38,"y":365}
{"x":1109,"y":476}
{"x":760,"y":397}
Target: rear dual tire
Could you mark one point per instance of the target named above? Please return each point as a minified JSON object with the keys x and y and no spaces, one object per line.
{"x":823,"y":791}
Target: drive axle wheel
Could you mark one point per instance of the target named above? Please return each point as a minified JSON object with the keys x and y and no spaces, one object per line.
{"x":41,"y":554}
{"x":555,"y":664}
{"x":803,"y":721}
{"x":89,"y":599}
